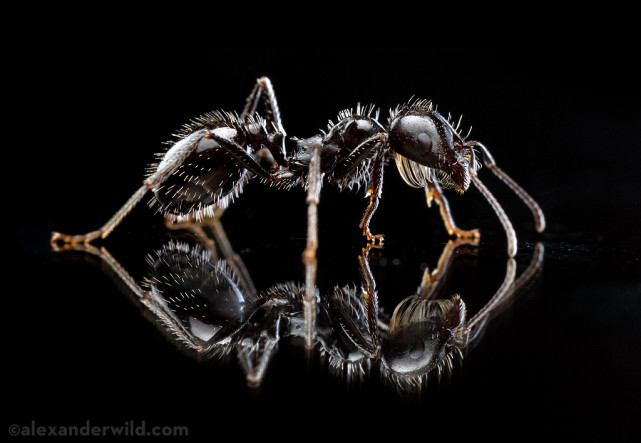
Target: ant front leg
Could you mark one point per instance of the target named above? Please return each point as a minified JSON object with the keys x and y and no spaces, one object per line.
{"x":375,"y":185}
{"x":374,"y":192}
{"x":433,"y":192}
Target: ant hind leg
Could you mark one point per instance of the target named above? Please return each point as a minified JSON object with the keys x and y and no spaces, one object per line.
{"x":58,"y":239}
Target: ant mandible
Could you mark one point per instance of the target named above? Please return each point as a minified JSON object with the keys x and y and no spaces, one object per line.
{"x":215,"y":155}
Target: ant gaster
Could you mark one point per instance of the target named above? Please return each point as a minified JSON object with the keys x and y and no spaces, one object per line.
{"x":216,"y":154}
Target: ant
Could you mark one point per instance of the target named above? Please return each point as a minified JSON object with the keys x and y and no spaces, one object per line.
{"x":204,"y":298}
{"x":215,"y":155}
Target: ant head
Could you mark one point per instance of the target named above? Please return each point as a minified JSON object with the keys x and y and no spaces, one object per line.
{"x":427,"y":148}
{"x":422,"y":335}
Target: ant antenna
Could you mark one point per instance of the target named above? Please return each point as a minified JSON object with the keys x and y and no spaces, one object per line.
{"x":507,"y":225}
{"x":488,"y":160}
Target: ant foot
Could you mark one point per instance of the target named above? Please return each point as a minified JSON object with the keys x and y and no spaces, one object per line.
{"x":62,"y":242}
{"x":473,"y":235}
{"x":58,"y":240}
{"x":374,"y":240}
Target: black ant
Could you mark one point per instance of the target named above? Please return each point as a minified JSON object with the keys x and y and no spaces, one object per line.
{"x":216,"y":154}
{"x":204,"y":298}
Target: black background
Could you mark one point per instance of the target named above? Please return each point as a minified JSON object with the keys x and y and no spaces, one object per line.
{"x":562,"y":362}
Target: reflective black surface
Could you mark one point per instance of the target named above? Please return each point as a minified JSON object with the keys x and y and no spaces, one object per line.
{"x":562,"y":362}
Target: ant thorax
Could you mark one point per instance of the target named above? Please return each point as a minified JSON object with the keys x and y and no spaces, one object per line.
{"x":341,"y":157}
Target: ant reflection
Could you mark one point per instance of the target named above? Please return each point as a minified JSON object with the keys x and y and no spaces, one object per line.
{"x":205,"y":298}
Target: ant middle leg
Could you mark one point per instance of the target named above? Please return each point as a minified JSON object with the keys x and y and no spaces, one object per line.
{"x":314,"y":184}
{"x":197,"y":227}
{"x":210,"y":233}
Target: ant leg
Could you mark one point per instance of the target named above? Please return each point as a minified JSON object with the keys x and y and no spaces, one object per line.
{"x":431,"y":281}
{"x":375,"y":188}
{"x":232,"y":257}
{"x":155,"y":179}
{"x":314,"y":184}
{"x":135,"y":292}
{"x":57,"y":238}
{"x":368,"y":290}
{"x":196,"y":228}
{"x":211,"y":233}
{"x":255,"y":361}
{"x":433,"y":191}
{"x":242,"y":156}
{"x":359,"y":153}
{"x":264,"y":90}
{"x":374,"y":192}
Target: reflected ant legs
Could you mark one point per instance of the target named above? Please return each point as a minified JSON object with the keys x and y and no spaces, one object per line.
{"x":197,"y":227}
{"x":211,"y":234}
{"x":432,"y":280}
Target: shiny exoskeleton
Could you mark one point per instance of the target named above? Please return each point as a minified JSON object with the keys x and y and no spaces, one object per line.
{"x":214,"y":155}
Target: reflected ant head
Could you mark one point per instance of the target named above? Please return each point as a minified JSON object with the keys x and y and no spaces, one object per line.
{"x":427,"y":146}
{"x":423,"y":335}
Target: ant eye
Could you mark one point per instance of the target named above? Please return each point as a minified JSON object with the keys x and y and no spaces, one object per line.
{"x":417,"y":351}
{"x":425,"y":141}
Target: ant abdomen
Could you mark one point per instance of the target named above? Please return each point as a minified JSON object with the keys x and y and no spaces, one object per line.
{"x":208,"y":175}
{"x":198,"y":296}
